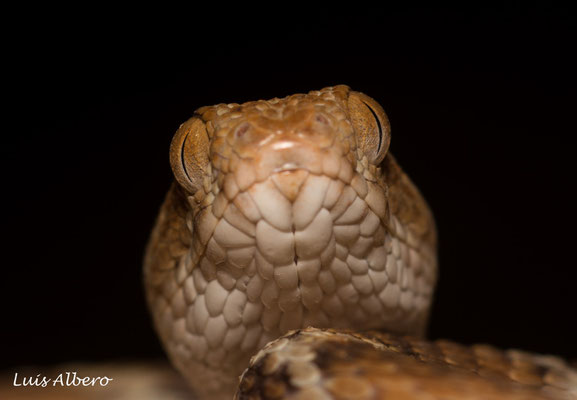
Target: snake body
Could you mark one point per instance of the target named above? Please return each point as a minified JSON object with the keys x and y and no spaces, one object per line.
{"x":339,"y":365}
{"x":285,"y":214}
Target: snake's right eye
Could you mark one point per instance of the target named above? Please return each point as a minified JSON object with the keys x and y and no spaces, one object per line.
{"x":189,"y":156}
{"x":371,"y":126}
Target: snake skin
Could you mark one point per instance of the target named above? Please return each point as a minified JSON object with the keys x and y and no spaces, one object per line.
{"x":284,"y":214}
{"x":339,"y":365}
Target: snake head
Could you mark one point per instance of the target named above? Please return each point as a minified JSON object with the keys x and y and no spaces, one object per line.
{"x":254,"y":140}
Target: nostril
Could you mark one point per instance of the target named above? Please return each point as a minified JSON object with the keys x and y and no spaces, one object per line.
{"x":241,"y":130}
{"x":321,"y":119}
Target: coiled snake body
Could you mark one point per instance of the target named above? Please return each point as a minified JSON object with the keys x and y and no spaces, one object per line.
{"x":291,"y":213}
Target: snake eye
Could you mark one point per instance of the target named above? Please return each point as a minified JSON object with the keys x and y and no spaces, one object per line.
{"x":371,"y":126}
{"x":379,"y":125}
{"x":189,"y":154}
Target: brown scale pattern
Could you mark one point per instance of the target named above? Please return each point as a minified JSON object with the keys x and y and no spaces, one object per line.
{"x":340,"y":364}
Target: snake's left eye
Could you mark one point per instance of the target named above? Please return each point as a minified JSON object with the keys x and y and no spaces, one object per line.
{"x":371,"y":126}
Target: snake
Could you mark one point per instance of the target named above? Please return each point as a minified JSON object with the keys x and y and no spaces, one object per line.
{"x":293,"y":258}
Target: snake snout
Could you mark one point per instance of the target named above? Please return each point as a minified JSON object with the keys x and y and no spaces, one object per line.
{"x":287,"y":154}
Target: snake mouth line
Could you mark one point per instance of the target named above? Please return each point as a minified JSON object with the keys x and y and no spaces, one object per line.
{"x":288,"y":167}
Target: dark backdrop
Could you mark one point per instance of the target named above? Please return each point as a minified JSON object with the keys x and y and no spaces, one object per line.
{"x":482,"y":106}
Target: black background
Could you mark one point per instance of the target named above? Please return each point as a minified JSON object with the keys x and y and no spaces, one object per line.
{"x":482,"y":106}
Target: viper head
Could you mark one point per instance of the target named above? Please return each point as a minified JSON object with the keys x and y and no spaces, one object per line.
{"x":325,"y":132}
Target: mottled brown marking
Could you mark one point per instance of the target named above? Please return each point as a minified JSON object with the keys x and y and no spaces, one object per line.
{"x":371,"y":366}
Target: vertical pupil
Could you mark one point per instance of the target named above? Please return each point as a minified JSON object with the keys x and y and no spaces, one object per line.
{"x":182,"y":159}
{"x":379,"y":125}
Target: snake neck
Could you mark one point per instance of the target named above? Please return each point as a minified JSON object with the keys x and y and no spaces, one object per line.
{"x":297,"y":249}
